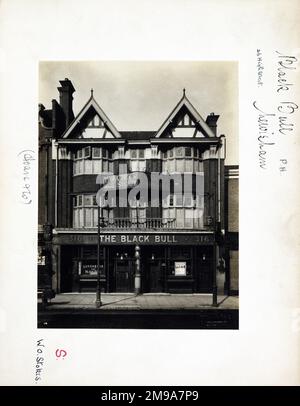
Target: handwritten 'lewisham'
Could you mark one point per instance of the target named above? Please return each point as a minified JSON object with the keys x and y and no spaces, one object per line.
{"x":282,"y":120}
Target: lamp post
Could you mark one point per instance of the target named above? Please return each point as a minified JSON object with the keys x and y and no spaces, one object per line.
{"x":98,"y":292}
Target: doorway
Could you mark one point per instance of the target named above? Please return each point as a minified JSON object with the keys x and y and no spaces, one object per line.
{"x":124,"y":275}
{"x":155,"y":276}
{"x":153,"y":269}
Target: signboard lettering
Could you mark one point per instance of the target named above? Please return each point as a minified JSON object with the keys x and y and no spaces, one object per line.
{"x":150,"y":239}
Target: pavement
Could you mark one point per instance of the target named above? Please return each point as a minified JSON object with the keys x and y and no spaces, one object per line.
{"x":146,"y":301}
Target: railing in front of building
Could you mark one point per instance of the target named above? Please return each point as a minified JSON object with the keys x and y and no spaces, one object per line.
{"x":145,"y":223}
{"x":141,"y":224}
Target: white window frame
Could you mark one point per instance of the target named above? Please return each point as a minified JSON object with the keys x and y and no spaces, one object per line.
{"x":88,"y":154}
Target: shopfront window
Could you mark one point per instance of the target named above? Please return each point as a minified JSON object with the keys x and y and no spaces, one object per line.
{"x":180,"y":268}
{"x":180,"y":262}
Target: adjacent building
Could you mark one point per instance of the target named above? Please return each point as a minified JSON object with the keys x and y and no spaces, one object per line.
{"x":186,"y":244}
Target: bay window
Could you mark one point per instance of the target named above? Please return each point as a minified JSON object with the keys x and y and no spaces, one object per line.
{"x":92,"y":161}
{"x":182,"y":159}
{"x":85,"y":211}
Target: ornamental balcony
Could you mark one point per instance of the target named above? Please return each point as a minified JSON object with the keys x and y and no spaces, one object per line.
{"x":142,"y":223}
{"x":146,"y":224}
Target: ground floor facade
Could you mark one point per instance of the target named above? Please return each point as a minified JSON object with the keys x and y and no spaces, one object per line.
{"x":136,"y":262}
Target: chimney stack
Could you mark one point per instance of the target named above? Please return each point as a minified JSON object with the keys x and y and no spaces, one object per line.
{"x":211,"y":121}
{"x":66,"y":91}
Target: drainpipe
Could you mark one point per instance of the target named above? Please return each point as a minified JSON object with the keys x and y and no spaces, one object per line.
{"x":219,"y":187}
{"x":218,"y":223}
{"x":56,"y":185}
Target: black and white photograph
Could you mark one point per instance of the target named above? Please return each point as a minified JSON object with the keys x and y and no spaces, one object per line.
{"x":150,"y":203}
{"x":138,"y":195}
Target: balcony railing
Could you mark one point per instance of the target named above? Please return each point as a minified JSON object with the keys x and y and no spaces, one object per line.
{"x":145,"y":224}
{"x":141,"y":223}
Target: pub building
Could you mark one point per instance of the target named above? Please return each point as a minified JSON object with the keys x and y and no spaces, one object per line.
{"x":177,"y":247}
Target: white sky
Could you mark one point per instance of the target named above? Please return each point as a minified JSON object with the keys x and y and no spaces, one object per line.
{"x":140,"y":95}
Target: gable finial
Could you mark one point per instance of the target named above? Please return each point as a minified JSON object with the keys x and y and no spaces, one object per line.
{"x":92,"y":92}
{"x":183,"y":92}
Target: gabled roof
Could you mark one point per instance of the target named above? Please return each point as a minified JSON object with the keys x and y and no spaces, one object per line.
{"x":184,"y":102}
{"x":91,"y":103}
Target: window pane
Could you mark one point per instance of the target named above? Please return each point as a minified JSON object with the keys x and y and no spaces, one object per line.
{"x":134,"y":166}
{"x":188,"y":201}
{"x":189,"y":218}
{"x":180,"y":165}
{"x":172,"y":214}
{"x":75,"y":223}
{"x":104,"y":153}
{"x":189,"y":165}
{"x":105,"y":165}
{"x":179,"y":217}
{"x":165,"y":213}
{"x":88,"y":168}
{"x":179,"y":151}
{"x":133,"y":214}
{"x":172,"y":166}
{"x":178,"y":200}
{"x":141,"y":153}
{"x":79,"y":200}
{"x":198,"y":218}
{"x":95,"y":215}
{"x":171,"y":153}
{"x":88,"y":217}
{"x":97,"y":167}
{"x":96,"y":152}
{"x":196,"y":165}
{"x":142,"y":166}
{"x":142,"y":213}
{"x":88,"y":200}
{"x":79,"y":153}
{"x":188,"y":151}
{"x":180,"y":268}
{"x":80,"y":222}
{"x":165,"y":154}
{"x":133,"y":153}
{"x":87,"y":152}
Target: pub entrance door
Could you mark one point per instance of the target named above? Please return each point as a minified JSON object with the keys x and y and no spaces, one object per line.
{"x":153,"y":269}
{"x":124,"y":275}
{"x":155,"y":276}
